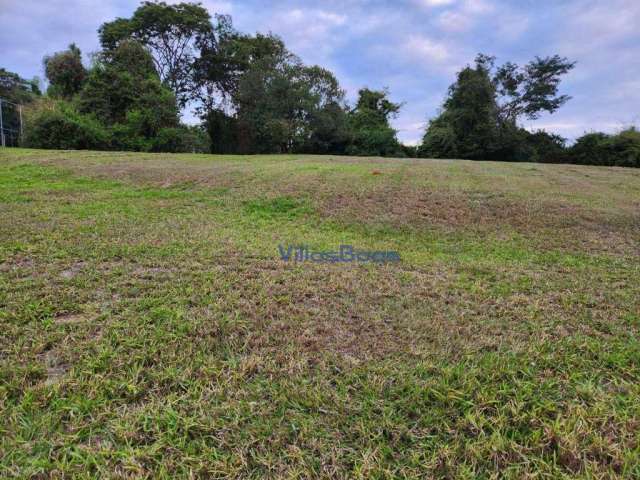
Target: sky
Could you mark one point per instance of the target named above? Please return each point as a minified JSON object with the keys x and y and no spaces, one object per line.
{"x":413,"y":47}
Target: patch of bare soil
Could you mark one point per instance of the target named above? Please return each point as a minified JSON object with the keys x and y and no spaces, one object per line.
{"x":72,"y":271}
{"x":55,"y":367}
{"x":71,"y":319}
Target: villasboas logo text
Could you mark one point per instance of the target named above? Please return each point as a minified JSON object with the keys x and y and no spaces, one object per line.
{"x":345,"y":253}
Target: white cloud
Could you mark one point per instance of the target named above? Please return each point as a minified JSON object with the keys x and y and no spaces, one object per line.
{"x":332,"y":18}
{"x":315,"y":19}
{"x":627,"y":91}
{"x":454,"y":21}
{"x":593,"y":28}
{"x":465,"y":15}
{"x":608,"y":22}
{"x":312,"y":33}
{"x":421,"y":47}
{"x":478,"y":6}
{"x":214,"y":6}
{"x":436,"y":3}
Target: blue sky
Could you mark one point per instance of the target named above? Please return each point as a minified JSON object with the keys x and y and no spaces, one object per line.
{"x":414,"y":47}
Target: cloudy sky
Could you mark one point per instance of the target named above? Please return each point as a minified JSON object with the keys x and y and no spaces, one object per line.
{"x":414,"y":47}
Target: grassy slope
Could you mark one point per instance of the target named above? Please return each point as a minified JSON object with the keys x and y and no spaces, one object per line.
{"x":150,"y":329}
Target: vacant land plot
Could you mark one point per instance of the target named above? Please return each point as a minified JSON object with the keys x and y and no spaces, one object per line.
{"x":150,"y":328}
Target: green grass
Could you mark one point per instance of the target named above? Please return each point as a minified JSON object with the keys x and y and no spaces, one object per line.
{"x":150,"y":329}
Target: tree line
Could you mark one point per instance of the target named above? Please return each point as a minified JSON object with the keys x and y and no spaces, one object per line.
{"x":253,"y":95}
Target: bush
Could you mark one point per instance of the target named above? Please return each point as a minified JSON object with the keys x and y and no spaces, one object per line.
{"x":57,"y":125}
{"x":622,"y":149}
{"x":409,"y":151}
{"x":181,"y":139}
{"x":547,"y":147}
{"x":625,"y":148}
{"x":125,"y":138}
{"x":379,"y":142}
{"x":439,"y":140}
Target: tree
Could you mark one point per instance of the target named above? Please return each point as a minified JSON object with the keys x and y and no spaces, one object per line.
{"x":440,"y":140}
{"x":16,"y":89}
{"x":530,"y":90}
{"x":626,"y":146}
{"x":468,"y":124}
{"x":369,"y":124}
{"x":278,"y":100}
{"x":223,"y":132}
{"x":225,"y":57}
{"x":124,"y":91}
{"x":266,"y":99}
{"x":479,"y":116}
{"x":330,"y":132}
{"x":548,"y":147}
{"x":65,"y":72}
{"x":324,"y":120}
{"x":172,"y":34}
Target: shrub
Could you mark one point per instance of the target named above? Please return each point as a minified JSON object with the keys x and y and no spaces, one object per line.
{"x":125,"y":138}
{"x":409,"y":151}
{"x":181,"y":139}
{"x":439,"y":140}
{"x":379,"y":141}
{"x":57,"y":125}
{"x":622,"y":149}
{"x":625,"y":148}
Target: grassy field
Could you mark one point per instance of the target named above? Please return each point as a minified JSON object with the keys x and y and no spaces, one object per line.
{"x":150,"y":328}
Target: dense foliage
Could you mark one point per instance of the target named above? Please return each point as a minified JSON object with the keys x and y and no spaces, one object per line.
{"x":57,"y":125}
{"x":172,"y":34}
{"x":65,"y":72}
{"x":369,"y":122}
{"x":480,"y":114}
{"x":253,"y":95}
{"x":119,"y":104}
{"x":125,"y":92}
{"x":620,"y":150}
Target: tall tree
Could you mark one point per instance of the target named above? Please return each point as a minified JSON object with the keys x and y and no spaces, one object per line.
{"x":237,"y":76}
{"x":279,"y":101}
{"x":65,"y":72}
{"x":262,"y":98}
{"x":225,"y":56}
{"x":529,"y":90}
{"x":172,"y":34}
{"x":479,"y":116}
{"x":370,"y":128}
{"x":327,"y":127}
{"x":468,"y":124}
{"x":124,"y":89}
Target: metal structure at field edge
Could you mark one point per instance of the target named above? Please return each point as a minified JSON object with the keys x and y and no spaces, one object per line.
{"x":5,"y":127}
